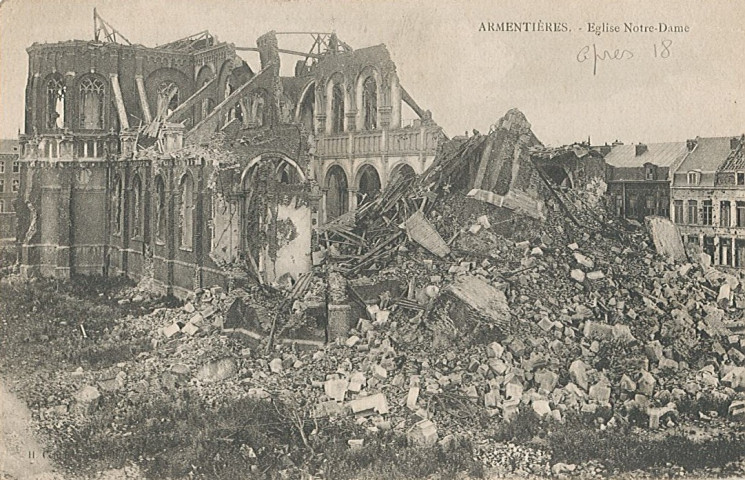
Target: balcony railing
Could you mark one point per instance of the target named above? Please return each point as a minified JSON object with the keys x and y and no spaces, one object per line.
{"x":405,"y":141}
{"x":56,"y":146}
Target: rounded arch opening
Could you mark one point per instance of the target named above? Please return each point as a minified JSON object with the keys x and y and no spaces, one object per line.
{"x":400,"y":172}
{"x":368,"y":184}
{"x":337,"y":192}
{"x":306,"y":109}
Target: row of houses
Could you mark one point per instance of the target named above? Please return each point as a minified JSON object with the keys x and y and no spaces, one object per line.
{"x":699,"y":184}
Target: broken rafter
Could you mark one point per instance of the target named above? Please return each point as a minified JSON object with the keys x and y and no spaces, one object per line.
{"x":111,"y":34}
{"x":280,"y":50}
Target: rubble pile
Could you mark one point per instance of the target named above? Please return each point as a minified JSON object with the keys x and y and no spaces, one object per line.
{"x":447,"y":326}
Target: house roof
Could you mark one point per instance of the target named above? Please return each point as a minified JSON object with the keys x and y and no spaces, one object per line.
{"x":708,"y":155}
{"x":736,"y":158}
{"x":9,"y":146}
{"x":659,"y":154}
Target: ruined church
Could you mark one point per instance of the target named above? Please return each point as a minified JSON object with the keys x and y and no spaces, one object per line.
{"x":181,"y":164}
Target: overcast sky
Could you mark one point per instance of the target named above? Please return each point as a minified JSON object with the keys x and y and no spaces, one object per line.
{"x":466,"y":77}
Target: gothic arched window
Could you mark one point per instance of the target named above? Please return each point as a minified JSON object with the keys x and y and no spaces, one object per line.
{"x":91,"y":103}
{"x":55,"y":103}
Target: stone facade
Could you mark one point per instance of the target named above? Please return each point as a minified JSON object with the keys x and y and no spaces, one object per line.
{"x":708,"y":199}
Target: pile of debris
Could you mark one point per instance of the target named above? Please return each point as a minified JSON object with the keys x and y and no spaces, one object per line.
{"x":563,"y":313}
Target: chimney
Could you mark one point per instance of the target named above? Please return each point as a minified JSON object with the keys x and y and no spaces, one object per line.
{"x":616,"y":143}
{"x":640,"y":149}
{"x":691,"y":144}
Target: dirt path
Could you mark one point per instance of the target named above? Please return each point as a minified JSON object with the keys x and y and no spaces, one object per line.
{"x":21,"y":456}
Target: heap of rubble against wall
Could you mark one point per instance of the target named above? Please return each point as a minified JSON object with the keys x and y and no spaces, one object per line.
{"x":592,"y":322}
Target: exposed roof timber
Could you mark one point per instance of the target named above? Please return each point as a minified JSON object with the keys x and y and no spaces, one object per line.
{"x":410,"y":102}
{"x":111,"y":34}
{"x":190,"y":43}
{"x":281,"y":50}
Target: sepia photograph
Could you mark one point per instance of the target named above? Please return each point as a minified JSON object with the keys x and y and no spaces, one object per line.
{"x":372,"y":239}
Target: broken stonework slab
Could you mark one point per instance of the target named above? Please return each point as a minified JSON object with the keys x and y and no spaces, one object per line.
{"x":654,"y":351}
{"x":595,"y":276}
{"x":339,"y":317}
{"x":546,"y":379}
{"x":735,"y":378}
{"x":422,"y":434}
{"x":412,"y":397}
{"x":600,"y":392}
{"x":420,"y":230}
{"x":657,"y":414}
{"x":584,"y":261}
{"x":737,"y":410}
{"x":541,"y":407}
{"x":275,"y":365}
{"x":171,"y":330}
{"x":494,"y":350}
{"x":666,"y":238}
{"x":336,"y":389}
{"x":577,"y":275}
{"x":623,"y":333}
{"x":217,"y":371}
{"x":486,"y":301}
{"x":329,"y":408}
{"x":646,"y":383}
{"x":578,"y":373}
{"x":190,"y":329}
{"x":598,"y":330}
{"x":87,"y":399}
{"x":368,"y":405}
{"x":725,"y":294}
{"x":516,"y":201}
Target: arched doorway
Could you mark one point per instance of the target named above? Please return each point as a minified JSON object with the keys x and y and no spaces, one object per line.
{"x":337,"y":196}
{"x":368,"y":184}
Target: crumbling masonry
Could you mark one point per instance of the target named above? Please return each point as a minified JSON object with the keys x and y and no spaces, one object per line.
{"x":181,"y":164}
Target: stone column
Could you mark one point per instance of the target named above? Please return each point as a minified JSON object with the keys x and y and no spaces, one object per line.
{"x":70,"y":97}
{"x":717,"y":253}
{"x":353,"y":198}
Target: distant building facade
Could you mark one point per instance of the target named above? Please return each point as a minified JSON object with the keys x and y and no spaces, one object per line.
{"x":10,"y":182}
{"x":708,"y":198}
{"x":639,"y":177}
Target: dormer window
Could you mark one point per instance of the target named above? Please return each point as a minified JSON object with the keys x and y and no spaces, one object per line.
{"x":649,"y":172}
{"x":694,"y":178}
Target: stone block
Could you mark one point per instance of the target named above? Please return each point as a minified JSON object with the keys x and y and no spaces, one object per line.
{"x":369,"y":405}
{"x":336,"y":389}
{"x":171,"y":330}
{"x":87,"y":399}
{"x":584,"y":261}
{"x":737,"y":411}
{"x":577,"y":275}
{"x":217,"y":371}
{"x":578,"y":374}
{"x":646,"y":383}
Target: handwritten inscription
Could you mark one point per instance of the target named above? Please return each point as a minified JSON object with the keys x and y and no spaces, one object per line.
{"x":592,"y":54}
